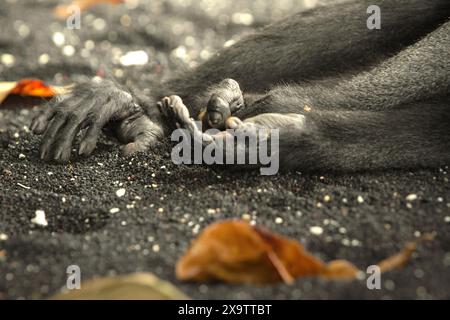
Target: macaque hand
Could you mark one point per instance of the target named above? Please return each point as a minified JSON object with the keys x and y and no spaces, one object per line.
{"x":86,"y":110}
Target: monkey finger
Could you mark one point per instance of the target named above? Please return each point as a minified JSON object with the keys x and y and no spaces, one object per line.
{"x":179,"y":108}
{"x":62,"y":145}
{"x":89,"y":140}
{"x":50,"y":135}
{"x":233,"y":123}
{"x":134,"y":147}
{"x":40,"y":122}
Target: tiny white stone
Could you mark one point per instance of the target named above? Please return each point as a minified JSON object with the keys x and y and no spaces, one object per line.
{"x":114,"y":210}
{"x":134,"y":58}
{"x":59,"y":39}
{"x":278,"y":220}
{"x":447,"y":219}
{"x":99,"y":24}
{"x":44,"y":58}
{"x":327,"y":198}
{"x":3,"y":237}
{"x":121,"y":192}
{"x":39,"y":218}
{"x":155,"y":248}
{"x":22,"y":156}
{"x":360,"y":199}
{"x":411,"y":197}
{"x":8,"y":59}
{"x":68,"y":50}
{"x":316,"y":230}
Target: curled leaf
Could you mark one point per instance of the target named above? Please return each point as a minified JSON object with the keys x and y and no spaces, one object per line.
{"x":236,"y":252}
{"x":29,"y":87}
{"x":399,"y":260}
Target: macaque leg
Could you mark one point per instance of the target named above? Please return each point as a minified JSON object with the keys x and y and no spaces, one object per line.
{"x":238,"y":132}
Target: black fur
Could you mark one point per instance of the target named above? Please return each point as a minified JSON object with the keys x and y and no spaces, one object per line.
{"x":372,"y":99}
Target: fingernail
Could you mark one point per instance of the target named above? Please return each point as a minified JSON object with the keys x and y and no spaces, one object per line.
{"x":82,"y":148}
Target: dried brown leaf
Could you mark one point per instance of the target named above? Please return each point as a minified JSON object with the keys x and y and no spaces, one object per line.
{"x":236,"y":252}
{"x":29,"y":87}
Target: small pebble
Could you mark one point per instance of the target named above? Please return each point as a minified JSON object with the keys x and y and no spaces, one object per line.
{"x":360,"y":199}
{"x":278,"y":220}
{"x":39,"y":218}
{"x":316,"y":230}
{"x":411,"y":197}
{"x":44,"y":59}
{"x":134,"y":58}
{"x":121,"y":192}
{"x":7,"y":59}
{"x":3,"y":237}
{"x":114,"y":210}
{"x":58,"y":39}
{"x":22,"y":156}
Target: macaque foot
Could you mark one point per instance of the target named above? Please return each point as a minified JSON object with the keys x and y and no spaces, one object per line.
{"x":174,"y":108}
{"x":225,"y":99}
{"x":137,"y":133}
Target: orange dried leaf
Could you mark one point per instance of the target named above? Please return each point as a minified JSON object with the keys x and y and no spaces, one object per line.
{"x":33,"y":87}
{"x":236,"y":252}
{"x":340,"y":269}
{"x":64,"y":11}
{"x":29,"y":87}
{"x":398,"y":260}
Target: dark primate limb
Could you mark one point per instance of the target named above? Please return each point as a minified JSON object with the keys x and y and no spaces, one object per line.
{"x":328,"y":57}
{"x":90,"y":107}
{"x":416,"y":135}
{"x":328,"y":42}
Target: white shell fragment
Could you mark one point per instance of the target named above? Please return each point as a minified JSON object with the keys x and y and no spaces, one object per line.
{"x":411,"y":197}
{"x":121,"y":192}
{"x":316,"y":230}
{"x":134,"y":58}
{"x":39,"y":218}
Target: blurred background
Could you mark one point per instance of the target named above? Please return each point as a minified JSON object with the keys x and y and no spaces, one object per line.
{"x":168,"y":34}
